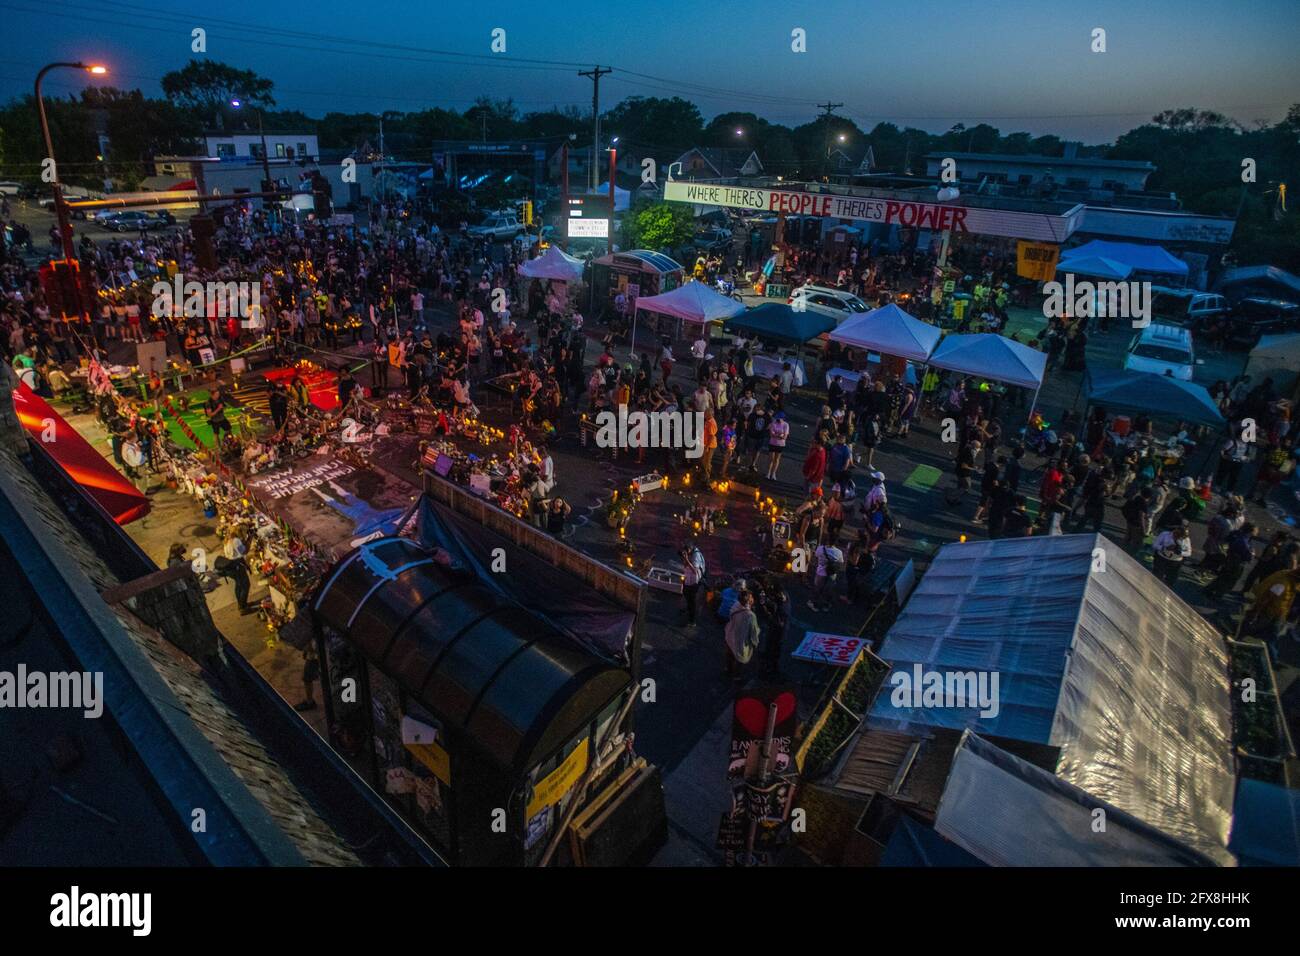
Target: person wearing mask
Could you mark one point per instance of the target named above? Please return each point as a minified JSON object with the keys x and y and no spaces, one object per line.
{"x":741,"y":635}
{"x":693,"y":573}
{"x":1171,"y":548}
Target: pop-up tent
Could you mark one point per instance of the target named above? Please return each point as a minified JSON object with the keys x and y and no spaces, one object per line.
{"x":991,"y":356}
{"x":778,"y":322}
{"x":1098,"y":267}
{"x":890,"y":331}
{"x":555,"y":264}
{"x":693,"y":302}
{"x":82,"y":463}
{"x":1160,"y":396}
{"x":1137,"y":257}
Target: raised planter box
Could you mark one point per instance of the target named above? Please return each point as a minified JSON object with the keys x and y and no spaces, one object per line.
{"x":1261,"y":739}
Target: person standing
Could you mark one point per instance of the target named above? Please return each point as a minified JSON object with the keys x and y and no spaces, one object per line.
{"x":1172,"y":548}
{"x":692,"y":578}
{"x":777,"y":435}
{"x":741,"y":634}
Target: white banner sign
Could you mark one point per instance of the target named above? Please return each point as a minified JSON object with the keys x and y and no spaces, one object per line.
{"x":894,"y":212}
{"x":588,"y":228}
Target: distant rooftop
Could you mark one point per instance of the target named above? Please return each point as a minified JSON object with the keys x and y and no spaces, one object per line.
{"x":1033,"y":159}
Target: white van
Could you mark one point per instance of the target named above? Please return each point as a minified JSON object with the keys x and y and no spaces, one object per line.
{"x":1162,"y":350}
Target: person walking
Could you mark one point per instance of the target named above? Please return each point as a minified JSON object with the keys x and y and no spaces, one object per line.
{"x":778,"y":433}
{"x":741,"y":634}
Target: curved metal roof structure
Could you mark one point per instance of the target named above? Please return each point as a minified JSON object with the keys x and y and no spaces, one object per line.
{"x":508,"y":680}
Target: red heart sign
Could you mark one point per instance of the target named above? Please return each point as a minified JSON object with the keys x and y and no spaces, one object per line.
{"x":751,"y":713}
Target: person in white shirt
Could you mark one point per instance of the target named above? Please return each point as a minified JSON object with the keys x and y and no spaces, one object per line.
{"x":830,"y":564}
{"x":1172,"y":548}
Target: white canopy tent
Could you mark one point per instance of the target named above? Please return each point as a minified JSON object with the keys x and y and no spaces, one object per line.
{"x":696,"y":302}
{"x":890,"y":331}
{"x":555,"y":264}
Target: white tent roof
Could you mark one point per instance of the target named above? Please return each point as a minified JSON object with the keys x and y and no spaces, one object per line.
{"x":694,"y":302}
{"x":554,"y":263}
{"x":1007,"y":812}
{"x":1109,"y":666}
{"x":991,"y":356}
{"x":891,"y":331}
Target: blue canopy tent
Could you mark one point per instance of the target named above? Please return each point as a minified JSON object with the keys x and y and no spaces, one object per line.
{"x":781,"y":323}
{"x":1137,"y":257}
{"x":1098,"y":267}
{"x":1160,"y":396}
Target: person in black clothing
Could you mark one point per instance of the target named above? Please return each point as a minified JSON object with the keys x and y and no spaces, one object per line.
{"x":278,"y":399}
{"x":988,"y":485}
{"x":1000,"y":505}
{"x":215,"y":409}
{"x":347,"y":385}
{"x":1011,"y":474}
{"x":1018,"y":524}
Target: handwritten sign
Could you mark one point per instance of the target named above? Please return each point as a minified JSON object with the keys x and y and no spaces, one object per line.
{"x":836,"y":649}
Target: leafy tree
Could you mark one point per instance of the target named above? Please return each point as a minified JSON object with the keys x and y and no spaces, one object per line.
{"x":659,"y":125}
{"x":657,"y":225}
{"x":206,"y":87}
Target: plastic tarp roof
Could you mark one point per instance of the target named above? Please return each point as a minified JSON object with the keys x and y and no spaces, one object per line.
{"x":991,"y":356}
{"x":554,"y":263}
{"x":83,"y":464}
{"x":1266,"y":825}
{"x":1139,"y":257}
{"x":891,"y":331}
{"x":1097,"y":266}
{"x":1155,"y":395}
{"x":694,"y":302}
{"x":1007,"y":812}
{"x":1111,"y":667}
{"x":780,"y":322}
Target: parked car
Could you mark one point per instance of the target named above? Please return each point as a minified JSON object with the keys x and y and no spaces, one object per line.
{"x":1162,"y":350}
{"x":133,"y":220}
{"x":10,"y":188}
{"x":836,"y":303}
{"x":1253,"y":318}
{"x":712,"y":241}
{"x":1186,"y":306}
{"x":503,"y":225}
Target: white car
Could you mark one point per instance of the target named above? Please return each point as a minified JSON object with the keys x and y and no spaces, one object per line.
{"x":836,"y":303}
{"x":1162,"y":350}
{"x":505,"y":225}
{"x":10,"y":188}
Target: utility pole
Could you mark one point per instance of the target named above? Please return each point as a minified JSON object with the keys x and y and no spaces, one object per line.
{"x":595,"y":74}
{"x":828,"y":110}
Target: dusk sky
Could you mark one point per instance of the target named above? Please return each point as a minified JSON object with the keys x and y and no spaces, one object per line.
{"x":1017,"y":64}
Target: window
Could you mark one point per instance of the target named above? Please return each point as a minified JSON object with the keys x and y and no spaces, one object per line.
{"x":279,"y":150}
{"x":302,"y":149}
{"x":255,"y":150}
{"x":225,"y":151}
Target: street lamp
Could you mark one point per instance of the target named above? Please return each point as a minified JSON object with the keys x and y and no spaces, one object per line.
{"x":60,"y":210}
{"x":266,"y":164}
